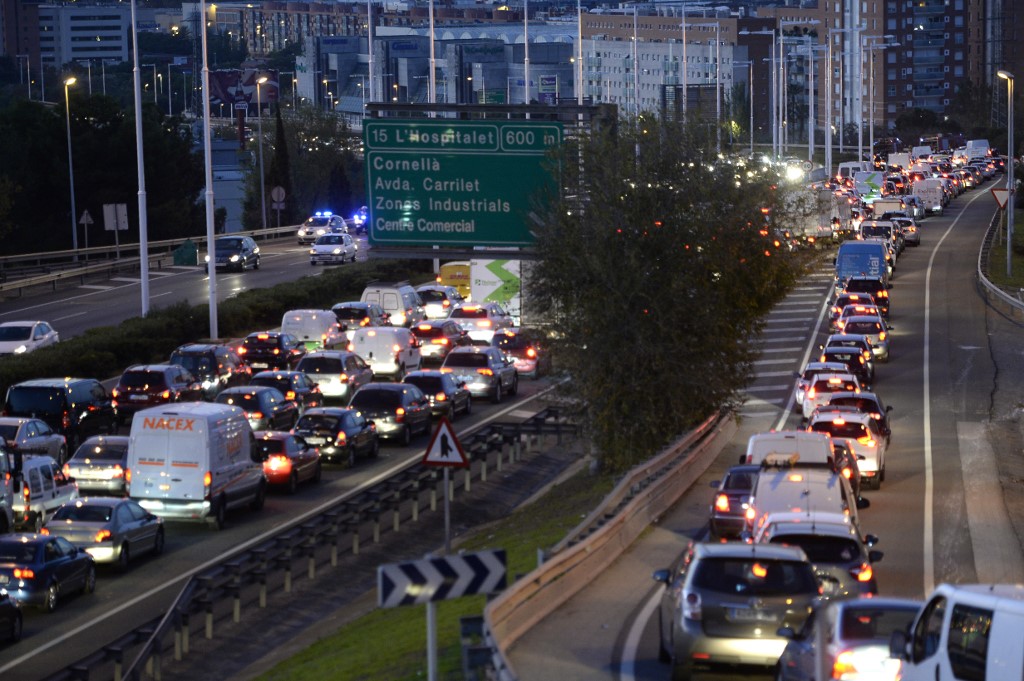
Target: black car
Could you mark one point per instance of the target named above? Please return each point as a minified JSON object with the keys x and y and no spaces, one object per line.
{"x":527,"y":348}
{"x":271,"y":350}
{"x":266,"y":408}
{"x":76,"y":408}
{"x":869,"y":403}
{"x":55,"y":568}
{"x":339,"y":433}
{"x":235,"y":253}
{"x":216,"y":366}
{"x":148,"y":385}
{"x":438,"y":338}
{"x":874,"y":287}
{"x":400,"y":410}
{"x":294,"y":385}
{"x":447,"y":396}
{"x":731,"y":501}
{"x":354,"y":314}
{"x":852,"y":358}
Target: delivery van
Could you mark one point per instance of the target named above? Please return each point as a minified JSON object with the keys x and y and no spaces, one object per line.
{"x":194,"y":461}
{"x":794,"y":446}
{"x":391,"y":351}
{"x":847,"y":169}
{"x":967,"y":631}
{"x":932,"y":195}
{"x":861,"y":258}
{"x":456,"y":274}
{"x":317,"y":329}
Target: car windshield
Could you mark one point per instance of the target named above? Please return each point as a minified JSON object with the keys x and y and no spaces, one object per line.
{"x":864,"y":328}
{"x":84,"y":513}
{"x":466,"y":359}
{"x":17,"y":552}
{"x":35,"y":400}
{"x":143,"y":379}
{"x":317,"y":221}
{"x":270,"y":446}
{"x":15,"y":333}
{"x":428,"y":384}
{"x":247,"y":401}
{"x":861,"y":623}
{"x":431,"y":296}
{"x":841,"y":428}
{"x":104,"y":451}
{"x":321,"y":365}
{"x":228,"y":245}
{"x":314,"y":422}
{"x":199,"y":365}
{"x":821,"y":548}
{"x":9,"y":432}
{"x":746,"y":577}
{"x":330,"y":240}
{"x":470,"y":313}
{"x":376,"y":399}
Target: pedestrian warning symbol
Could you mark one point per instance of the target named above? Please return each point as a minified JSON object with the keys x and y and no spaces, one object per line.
{"x":444,"y":448}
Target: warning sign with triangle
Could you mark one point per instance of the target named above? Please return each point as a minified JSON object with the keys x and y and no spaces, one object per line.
{"x":445,"y":448}
{"x":1001,"y":196}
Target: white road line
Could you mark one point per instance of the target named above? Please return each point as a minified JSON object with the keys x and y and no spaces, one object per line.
{"x":811,"y":342}
{"x":762,"y":362}
{"x":767,"y":341}
{"x":129,"y":280}
{"x":767,"y":388}
{"x":929,"y":471}
{"x":92,"y":286}
{"x":786,"y":329}
{"x":776,"y":350}
{"x":627,"y":670}
{"x":69,"y":316}
{"x":773,"y":374}
{"x":759,"y":414}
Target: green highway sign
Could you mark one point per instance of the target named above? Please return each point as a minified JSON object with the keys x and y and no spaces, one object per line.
{"x":455,"y":183}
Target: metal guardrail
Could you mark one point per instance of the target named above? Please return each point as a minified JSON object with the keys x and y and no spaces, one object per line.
{"x":369,"y":512}
{"x":646,"y":493}
{"x":1014,"y":303}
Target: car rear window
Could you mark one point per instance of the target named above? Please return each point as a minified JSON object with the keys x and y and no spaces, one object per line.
{"x":861,"y":404}
{"x":376,"y":399}
{"x":846,"y":429}
{"x":864,"y":286}
{"x":469,"y":313}
{"x":314,"y":422}
{"x":824,"y":386}
{"x":868,"y":623}
{"x":740,"y":480}
{"x":35,"y":400}
{"x":350,"y":314}
{"x":466,"y":359}
{"x":102,"y":452}
{"x":143,"y":379}
{"x":247,"y":401}
{"x":261,"y":343}
{"x":84,"y":513}
{"x":433,"y":296}
{"x":821,"y":548}
{"x":876,"y":231}
{"x":267,"y":447}
{"x":198,"y":364}
{"x":17,"y":552}
{"x":428,"y":331}
{"x":282,"y":384}
{"x":428,"y":384}
{"x":510,"y":341}
{"x":864,"y":328}
{"x":746,"y":577}
{"x":320,"y":365}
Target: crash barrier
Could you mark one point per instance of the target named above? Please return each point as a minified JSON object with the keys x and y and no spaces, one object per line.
{"x":642,"y":497}
{"x":1013,"y":304}
{"x":245,"y":578}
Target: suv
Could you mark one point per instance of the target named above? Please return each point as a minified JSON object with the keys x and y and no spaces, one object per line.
{"x":723,"y":604}
{"x":485,"y":371}
{"x":272,"y":350}
{"x":399,"y":410}
{"x":338,"y":373}
{"x":235,"y":253}
{"x":438,"y":337}
{"x":781,"y":486}
{"x":872,"y":286}
{"x":398,"y":299}
{"x":390,"y":351}
{"x":215,"y":366}
{"x":832,"y":544}
{"x":76,"y":408}
{"x":146,"y":385}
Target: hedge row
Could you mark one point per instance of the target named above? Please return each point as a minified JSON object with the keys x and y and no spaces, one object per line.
{"x":106,"y":351}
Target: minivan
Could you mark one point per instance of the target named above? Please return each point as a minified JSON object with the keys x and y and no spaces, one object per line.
{"x":399,"y":299}
{"x":194,"y":461}
{"x":968,"y":631}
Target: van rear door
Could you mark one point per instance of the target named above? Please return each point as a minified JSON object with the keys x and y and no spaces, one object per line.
{"x":167,"y":464}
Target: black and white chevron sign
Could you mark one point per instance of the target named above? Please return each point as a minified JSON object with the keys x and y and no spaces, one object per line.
{"x":438,"y":579}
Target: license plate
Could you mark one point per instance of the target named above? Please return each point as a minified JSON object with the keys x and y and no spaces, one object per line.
{"x":749,"y":615}
{"x":4,"y":579}
{"x":260,"y":365}
{"x":139,"y":398}
{"x":315,"y":440}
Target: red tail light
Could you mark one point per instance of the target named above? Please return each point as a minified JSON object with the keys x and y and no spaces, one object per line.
{"x":279,"y":462}
{"x":440,"y":341}
{"x":242,"y":350}
{"x":207,"y":479}
{"x":102,"y":535}
{"x":277,"y":351}
{"x":847,"y":472}
{"x":128,"y":475}
{"x":258,"y":415}
{"x":341,"y":439}
{"x":343,"y":378}
{"x":66,"y":470}
{"x":365,"y":321}
{"x":864,"y":573}
{"x":484,"y":323}
{"x":844,"y":664}
{"x":400,"y":414}
{"x":867,"y":441}
{"x":43,"y":530}
{"x":290,"y":395}
{"x":811,"y":393}
{"x":531,"y":353}
{"x":65,"y":420}
{"x":24,"y":573}
{"x":722,"y":503}
{"x":166,"y":394}
{"x":485,"y":372}
{"x":440,"y":397}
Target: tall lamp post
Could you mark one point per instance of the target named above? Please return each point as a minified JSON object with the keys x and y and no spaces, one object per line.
{"x":263,"y":177}
{"x":71,"y":167}
{"x":1008,"y":77}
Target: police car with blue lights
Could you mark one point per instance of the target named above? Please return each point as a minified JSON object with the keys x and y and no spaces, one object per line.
{"x":320,"y":223}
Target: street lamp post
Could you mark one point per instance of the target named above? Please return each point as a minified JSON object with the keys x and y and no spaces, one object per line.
{"x":1010,"y":147}
{"x":71,"y":167}
{"x":263,"y":177}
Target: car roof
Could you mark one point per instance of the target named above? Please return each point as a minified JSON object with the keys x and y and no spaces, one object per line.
{"x":243,"y":389}
{"x":335,"y":354}
{"x":828,"y":413}
{"x":426,"y":372}
{"x":21,"y":323}
{"x":845,"y":376}
{"x":198,"y":347}
{"x":49,"y":382}
{"x":469,"y":350}
{"x":98,"y":501}
{"x":861,"y":318}
{"x":864,"y":395}
{"x":391,"y":387}
{"x":329,"y":411}
{"x":813,"y":522}
{"x":735,"y":549}
{"x":151,"y":367}
{"x":271,"y":373}
{"x":109,"y":439}
{"x":271,"y":434}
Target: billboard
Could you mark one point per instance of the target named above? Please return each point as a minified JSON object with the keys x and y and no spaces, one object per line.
{"x":233,"y":86}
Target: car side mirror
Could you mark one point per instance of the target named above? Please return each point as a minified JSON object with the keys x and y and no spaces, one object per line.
{"x":888,"y":409}
{"x":875,"y":556}
{"x":664,"y":576}
{"x":870,"y":539}
{"x":898,"y":645}
{"x":786,"y":633}
{"x":862,"y":503}
{"x":714,"y":484}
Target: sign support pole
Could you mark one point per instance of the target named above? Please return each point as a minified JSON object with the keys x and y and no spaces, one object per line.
{"x":447,"y":517}
{"x":432,"y":632}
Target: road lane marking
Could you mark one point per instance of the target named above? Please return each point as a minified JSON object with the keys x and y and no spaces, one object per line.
{"x":929,"y":484}
{"x":69,"y":316}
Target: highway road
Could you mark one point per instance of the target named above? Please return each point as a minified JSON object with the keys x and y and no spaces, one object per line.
{"x":955,"y":379}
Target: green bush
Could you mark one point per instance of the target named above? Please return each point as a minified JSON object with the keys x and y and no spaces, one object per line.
{"x":105,"y":351}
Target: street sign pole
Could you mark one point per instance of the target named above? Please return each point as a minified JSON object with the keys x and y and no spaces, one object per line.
{"x":432,"y":629}
{"x":446,"y":451}
{"x":447,"y":515}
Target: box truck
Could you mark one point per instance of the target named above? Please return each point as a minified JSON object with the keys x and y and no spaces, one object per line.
{"x":194,"y":461}
{"x":861,"y":258}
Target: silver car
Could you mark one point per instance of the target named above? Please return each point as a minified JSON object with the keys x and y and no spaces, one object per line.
{"x":332,"y":248}
{"x":33,"y":436}
{"x":98,"y":465}
{"x":846,"y":639}
{"x":723,"y":604}
{"x":874,"y":328}
{"x":110,"y":530}
{"x":804,"y":378}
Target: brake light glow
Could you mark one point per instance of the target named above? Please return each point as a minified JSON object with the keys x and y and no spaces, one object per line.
{"x":262,"y":336}
{"x":847,"y":472}
{"x":796,"y":477}
{"x":290,"y":395}
{"x":166,"y":394}
{"x":531,"y":353}
{"x":400,"y":411}
{"x":440,"y":397}
{"x":838,"y":422}
{"x":867,"y":441}
{"x":864,"y":573}
{"x":484,"y":323}
{"x":751,"y":513}
{"x":258,"y":415}
{"x":102,"y":535}
{"x":341,"y":439}
{"x":843,"y":665}
{"x":722,"y":503}
{"x":810,"y":393}
{"x":396,"y":347}
{"x":424,"y":327}
{"x":440,"y":341}
{"x":759,"y":570}
{"x":24,"y":573}
{"x":207,"y":479}
{"x":485,"y":372}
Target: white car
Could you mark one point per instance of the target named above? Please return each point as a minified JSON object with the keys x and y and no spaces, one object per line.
{"x":20,"y":337}
{"x":438,"y":300}
{"x":804,"y":378}
{"x":823,"y":385}
{"x":333,"y":248}
{"x":860,"y":432}
{"x":481,"y":321}
{"x":318,"y":224}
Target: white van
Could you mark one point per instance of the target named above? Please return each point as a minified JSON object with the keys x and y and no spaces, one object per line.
{"x":39,"y":488}
{"x":809,"y":448}
{"x":316,"y":328}
{"x":847,"y":169}
{"x":932,"y":194}
{"x":971,"y":631}
{"x":399,"y":299}
{"x":785,"y":489}
{"x":391,"y":351}
{"x":194,"y":461}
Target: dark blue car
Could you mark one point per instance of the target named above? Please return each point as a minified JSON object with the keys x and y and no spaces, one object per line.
{"x":39,"y":570}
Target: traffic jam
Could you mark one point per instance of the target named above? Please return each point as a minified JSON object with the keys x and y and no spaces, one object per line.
{"x":785,"y":582}
{"x":93,"y":480}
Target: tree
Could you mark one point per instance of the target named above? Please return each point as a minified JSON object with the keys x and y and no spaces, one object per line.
{"x":655,"y":267}
{"x":280,"y":172}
